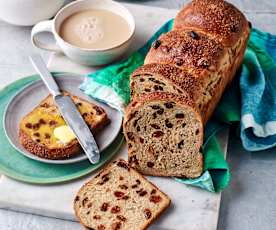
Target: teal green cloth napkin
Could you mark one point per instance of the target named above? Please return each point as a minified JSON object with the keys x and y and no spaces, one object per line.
{"x":111,"y":85}
{"x":258,"y":92}
{"x":250,"y":101}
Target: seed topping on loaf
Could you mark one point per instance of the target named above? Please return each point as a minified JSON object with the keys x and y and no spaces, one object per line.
{"x":216,"y":17}
{"x":182,"y":50}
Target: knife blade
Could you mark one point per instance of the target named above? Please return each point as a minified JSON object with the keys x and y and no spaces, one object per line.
{"x":68,"y":111}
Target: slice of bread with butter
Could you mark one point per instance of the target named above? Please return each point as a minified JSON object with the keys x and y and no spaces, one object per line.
{"x":44,"y":133}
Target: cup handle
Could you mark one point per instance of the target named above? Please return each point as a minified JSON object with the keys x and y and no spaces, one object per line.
{"x":44,"y":26}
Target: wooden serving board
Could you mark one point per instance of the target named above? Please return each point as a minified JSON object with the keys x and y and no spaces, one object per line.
{"x":191,"y":208}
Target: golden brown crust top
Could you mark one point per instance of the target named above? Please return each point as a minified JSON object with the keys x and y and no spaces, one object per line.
{"x":186,"y":81}
{"x":186,"y":49}
{"x":216,"y":17}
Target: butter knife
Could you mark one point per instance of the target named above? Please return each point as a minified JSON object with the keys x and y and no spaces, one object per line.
{"x":68,"y":111}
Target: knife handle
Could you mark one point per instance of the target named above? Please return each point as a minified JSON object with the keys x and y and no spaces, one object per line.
{"x":45,"y":75}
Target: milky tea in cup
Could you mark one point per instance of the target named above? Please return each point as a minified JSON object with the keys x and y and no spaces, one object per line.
{"x":95,"y":29}
{"x":89,"y":32}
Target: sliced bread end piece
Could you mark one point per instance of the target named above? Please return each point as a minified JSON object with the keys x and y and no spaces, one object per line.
{"x":119,"y":198}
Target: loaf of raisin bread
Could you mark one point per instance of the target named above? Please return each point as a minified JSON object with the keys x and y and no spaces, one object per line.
{"x":164,"y":134}
{"x":119,"y":198}
{"x":196,"y":60}
{"x":36,"y":129}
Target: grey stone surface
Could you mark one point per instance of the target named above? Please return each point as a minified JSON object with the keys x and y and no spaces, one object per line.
{"x":15,"y":46}
{"x":248,"y":203}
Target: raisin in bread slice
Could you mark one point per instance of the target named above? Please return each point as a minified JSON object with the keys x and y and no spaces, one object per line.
{"x":164,"y":133}
{"x":119,"y":198}
{"x":36,"y":129}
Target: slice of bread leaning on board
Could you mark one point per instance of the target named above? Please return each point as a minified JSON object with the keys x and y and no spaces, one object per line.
{"x":177,"y":89}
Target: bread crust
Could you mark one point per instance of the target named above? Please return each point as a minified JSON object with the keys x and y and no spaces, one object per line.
{"x":108,"y":167}
{"x":221,"y":86}
{"x":149,"y":172}
{"x":218,"y":18}
{"x":42,"y":151}
{"x":57,"y":153}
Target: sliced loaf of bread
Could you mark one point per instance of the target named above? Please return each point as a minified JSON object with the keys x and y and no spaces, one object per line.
{"x":164,"y":133}
{"x":196,"y":60}
{"x":119,"y":198}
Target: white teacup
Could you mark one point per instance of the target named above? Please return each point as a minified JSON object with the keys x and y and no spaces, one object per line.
{"x":83,"y":56}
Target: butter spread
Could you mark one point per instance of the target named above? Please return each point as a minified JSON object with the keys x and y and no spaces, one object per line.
{"x":64,"y":134}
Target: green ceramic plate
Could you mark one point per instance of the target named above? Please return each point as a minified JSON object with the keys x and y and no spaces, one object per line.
{"x":19,"y":167}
